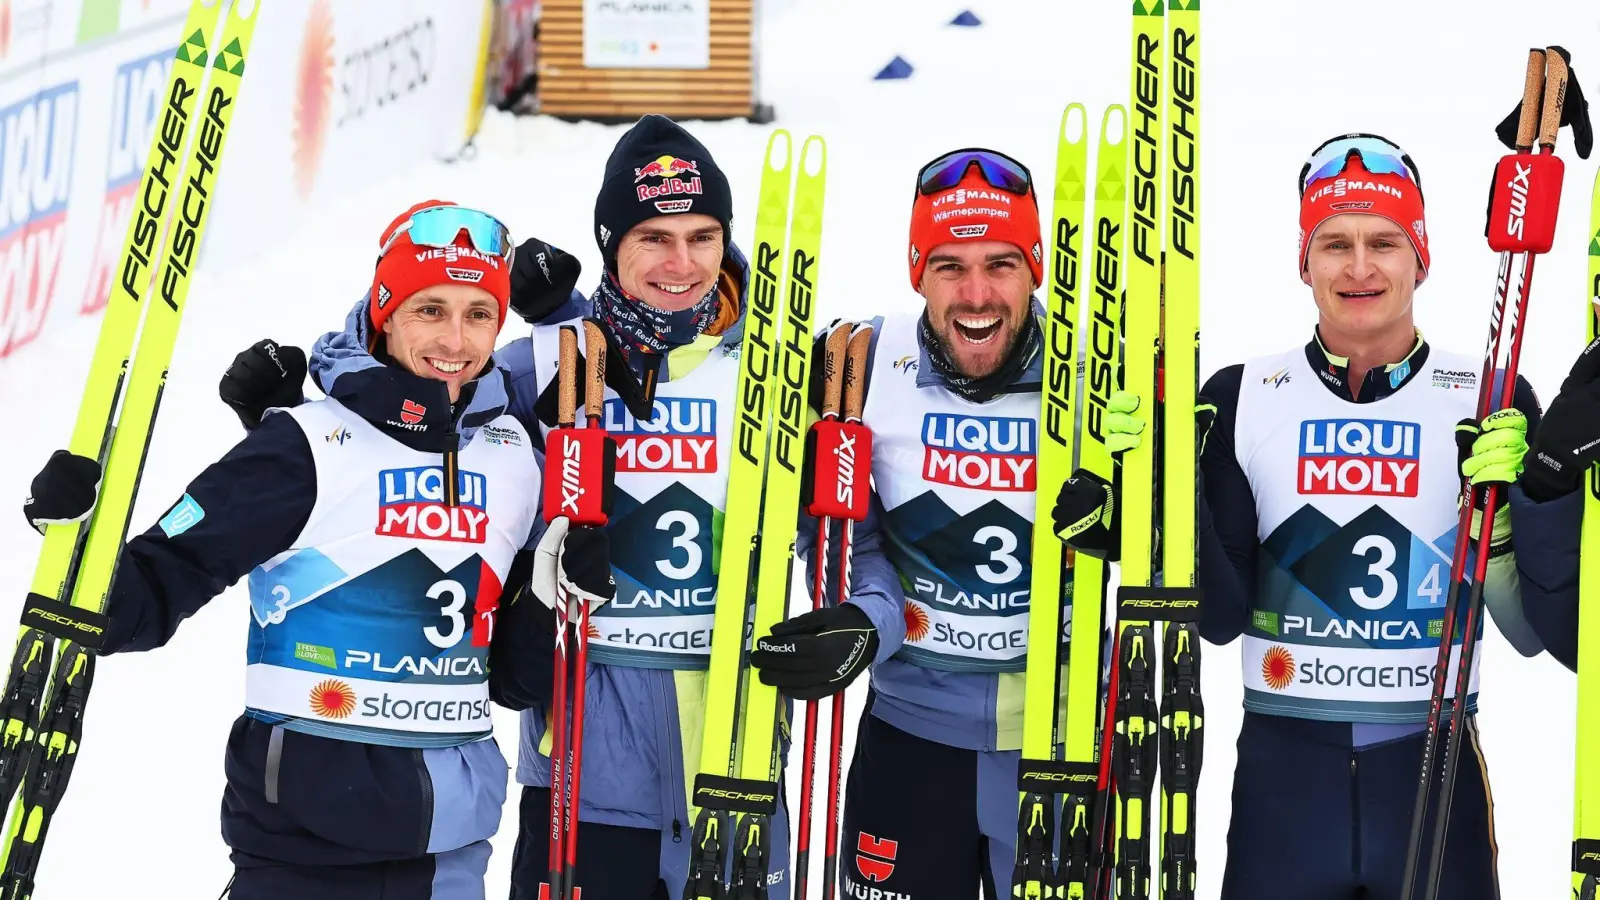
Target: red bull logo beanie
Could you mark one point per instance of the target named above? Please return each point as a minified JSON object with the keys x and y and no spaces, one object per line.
{"x":657,"y":169}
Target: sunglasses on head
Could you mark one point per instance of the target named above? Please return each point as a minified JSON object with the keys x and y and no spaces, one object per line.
{"x":999,"y":170}
{"x":441,"y":226}
{"x":1378,"y":155}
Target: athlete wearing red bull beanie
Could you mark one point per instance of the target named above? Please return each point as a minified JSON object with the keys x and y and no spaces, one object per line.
{"x":1328,"y":510}
{"x":671,"y":304}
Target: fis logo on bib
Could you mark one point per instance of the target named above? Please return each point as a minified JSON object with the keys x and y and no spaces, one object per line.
{"x":412,"y":504}
{"x":984,"y":452}
{"x":1359,"y":457}
{"x":681,"y":438}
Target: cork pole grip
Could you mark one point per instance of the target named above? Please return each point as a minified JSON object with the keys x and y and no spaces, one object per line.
{"x":855,"y":373}
{"x":1555,"y":97}
{"x":566,"y":378}
{"x":594,"y":370}
{"x":1532,"y":88}
{"x":833,"y":350}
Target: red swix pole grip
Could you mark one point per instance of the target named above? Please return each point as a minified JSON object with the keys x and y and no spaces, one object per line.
{"x":842,"y":460}
{"x":1525,"y":202}
{"x":580,"y":463}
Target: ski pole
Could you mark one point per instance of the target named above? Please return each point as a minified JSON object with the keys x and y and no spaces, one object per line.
{"x":1529,"y":228}
{"x":1537,"y":91}
{"x":566,"y":416}
{"x":578,"y":475}
{"x":832,"y":386}
{"x":855,"y":385}
{"x":594,"y":384}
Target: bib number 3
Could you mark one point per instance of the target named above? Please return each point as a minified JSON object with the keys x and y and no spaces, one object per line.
{"x":453,"y":597}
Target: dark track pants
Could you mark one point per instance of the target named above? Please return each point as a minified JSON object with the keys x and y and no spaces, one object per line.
{"x":622,"y":862}
{"x":1314,"y":819}
{"x":925,"y":820}
{"x":453,"y":875}
{"x":613,"y":861}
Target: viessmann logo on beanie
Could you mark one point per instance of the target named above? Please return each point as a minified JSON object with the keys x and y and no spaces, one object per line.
{"x":657,"y":169}
{"x":1356,"y":190}
{"x":974,"y":210}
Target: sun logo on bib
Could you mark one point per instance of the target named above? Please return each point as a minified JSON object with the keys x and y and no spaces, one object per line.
{"x":333,"y":699}
{"x":1277,"y":668}
{"x":916,"y":622}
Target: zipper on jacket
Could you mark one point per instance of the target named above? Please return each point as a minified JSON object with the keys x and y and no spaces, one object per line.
{"x":452,"y":465}
{"x":675,"y":781}
{"x":452,"y":479}
{"x":427,"y":798}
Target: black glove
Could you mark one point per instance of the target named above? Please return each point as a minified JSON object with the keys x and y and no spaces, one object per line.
{"x":1085,"y":517}
{"x":817,"y":654}
{"x":1566,"y":442}
{"x":542,"y":279}
{"x":574,"y":561}
{"x":65,"y":490}
{"x":267,"y":374}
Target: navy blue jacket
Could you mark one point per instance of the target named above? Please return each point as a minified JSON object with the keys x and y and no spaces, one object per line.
{"x":292,"y":797}
{"x":1548,"y":563}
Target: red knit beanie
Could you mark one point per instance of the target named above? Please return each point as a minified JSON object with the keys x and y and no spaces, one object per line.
{"x":408,"y":268}
{"x":975,"y":211}
{"x":1356,"y":190}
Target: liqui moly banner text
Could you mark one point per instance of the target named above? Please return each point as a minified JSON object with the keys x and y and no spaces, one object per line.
{"x":330,"y":106}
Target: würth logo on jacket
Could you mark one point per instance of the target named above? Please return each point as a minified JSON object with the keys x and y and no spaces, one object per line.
{"x":875,"y":856}
{"x":682,"y":437}
{"x":1359,"y":456}
{"x":985,"y":452}
{"x":411,"y":413}
{"x":412,"y":504}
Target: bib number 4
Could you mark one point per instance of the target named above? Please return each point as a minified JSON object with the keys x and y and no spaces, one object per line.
{"x":1380,"y":555}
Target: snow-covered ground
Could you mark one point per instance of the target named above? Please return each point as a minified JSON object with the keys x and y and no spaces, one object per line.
{"x":1278,"y":79}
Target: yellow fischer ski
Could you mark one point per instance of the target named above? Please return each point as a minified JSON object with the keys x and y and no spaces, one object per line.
{"x":1040,"y":775}
{"x":1087,"y":812}
{"x":1182,"y":712}
{"x":736,"y":792}
{"x":78,"y":563}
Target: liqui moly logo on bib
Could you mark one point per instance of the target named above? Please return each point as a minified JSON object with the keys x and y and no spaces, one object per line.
{"x":984,"y":452}
{"x":681,"y":438}
{"x":1359,"y":456}
{"x":412,"y":504}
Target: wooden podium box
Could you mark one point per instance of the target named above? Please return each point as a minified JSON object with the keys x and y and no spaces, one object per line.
{"x":725,"y":90}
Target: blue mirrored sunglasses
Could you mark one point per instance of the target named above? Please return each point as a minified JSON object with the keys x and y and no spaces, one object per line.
{"x":1379,"y":156}
{"x":441,"y":226}
{"x":1000,"y":171}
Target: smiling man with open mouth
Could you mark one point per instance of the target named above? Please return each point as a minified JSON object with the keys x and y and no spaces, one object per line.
{"x":976,"y":259}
